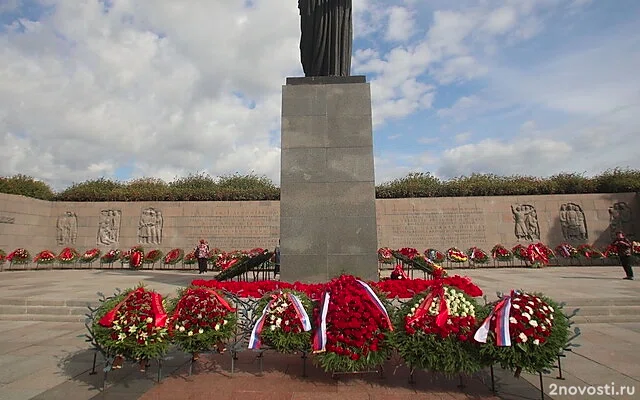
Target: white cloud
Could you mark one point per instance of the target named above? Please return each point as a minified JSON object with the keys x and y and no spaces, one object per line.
{"x":463,"y":137}
{"x":401,"y":24}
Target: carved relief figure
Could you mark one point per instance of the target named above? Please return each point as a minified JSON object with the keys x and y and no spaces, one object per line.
{"x":67,"y":228}
{"x":621,"y":219}
{"x":150,"y":226}
{"x":573,"y":222}
{"x":526,"y":222}
{"x":109,"y":227}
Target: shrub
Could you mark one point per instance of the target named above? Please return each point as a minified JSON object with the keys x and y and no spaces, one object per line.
{"x":95,"y":190}
{"x":26,"y":186}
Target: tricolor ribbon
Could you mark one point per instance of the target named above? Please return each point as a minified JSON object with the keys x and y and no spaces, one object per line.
{"x":377,"y":302}
{"x":423,"y":308}
{"x":320,"y":336}
{"x":501,"y":312}
{"x":254,"y":340}
{"x":160,"y":317}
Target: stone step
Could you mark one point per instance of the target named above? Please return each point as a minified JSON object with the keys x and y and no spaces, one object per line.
{"x":615,"y":301}
{"x":43,"y":310}
{"x":605,"y":319}
{"x":589,"y":311}
{"x":44,"y":318}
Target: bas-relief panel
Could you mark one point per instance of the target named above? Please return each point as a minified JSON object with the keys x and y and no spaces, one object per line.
{"x":67,"y":228}
{"x":109,"y":227}
{"x":150,"y":226}
{"x":621,"y":219}
{"x":573,"y":222}
{"x":525,"y":218}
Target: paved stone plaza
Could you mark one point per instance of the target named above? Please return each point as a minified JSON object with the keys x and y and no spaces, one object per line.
{"x":50,"y":360}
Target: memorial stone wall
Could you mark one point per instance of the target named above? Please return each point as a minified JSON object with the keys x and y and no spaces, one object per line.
{"x":421,"y":223}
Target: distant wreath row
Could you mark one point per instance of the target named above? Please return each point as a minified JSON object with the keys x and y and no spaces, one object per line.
{"x":134,"y":257}
{"x":533,"y":253}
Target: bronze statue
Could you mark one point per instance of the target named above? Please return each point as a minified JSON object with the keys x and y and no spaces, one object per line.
{"x":326,"y":37}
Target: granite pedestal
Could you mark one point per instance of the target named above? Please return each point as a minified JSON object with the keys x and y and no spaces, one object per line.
{"x":327,"y":205}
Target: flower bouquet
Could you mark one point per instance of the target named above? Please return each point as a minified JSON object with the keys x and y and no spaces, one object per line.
{"x":477,"y":255}
{"x":68,"y":255}
{"x":110,"y":256}
{"x":19,"y":256}
{"x":190,"y":258}
{"x":435,"y":255}
{"x":44,"y":257}
{"x":201,"y":319}
{"x":3,"y":256}
{"x":131,"y":325}
{"x":501,"y":253}
{"x":456,"y":255}
{"x":136,"y":257}
{"x":565,"y":250}
{"x":589,"y":252}
{"x":90,"y":256}
{"x":152,"y":257}
{"x":352,"y":326}
{"x":385,"y":256}
{"x":524,"y":332}
{"x":174,"y":256}
{"x":434,"y":331}
{"x":284,"y":322}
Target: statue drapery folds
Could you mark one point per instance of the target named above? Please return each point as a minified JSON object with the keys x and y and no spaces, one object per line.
{"x":326,"y":37}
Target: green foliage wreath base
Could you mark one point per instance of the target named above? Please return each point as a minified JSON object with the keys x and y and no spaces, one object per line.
{"x":433,"y":353}
{"x":332,"y":362}
{"x":131,"y":351}
{"x":280,"y":340}
{"x":528,"y":357}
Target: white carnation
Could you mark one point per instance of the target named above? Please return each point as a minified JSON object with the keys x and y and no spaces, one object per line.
{"x":533,"y":323}
{"x":526,"y":315}
{"x":190,"y":333}
{"x":200,"y":331}
{"x":536,"y":342}
{"x":516,"y":306}
{"x":181,"y":329}
{"x":522,"y":337}
{"x":512,"y":320}
{"x":149,"y":320}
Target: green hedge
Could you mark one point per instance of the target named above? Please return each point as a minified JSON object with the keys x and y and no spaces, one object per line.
{"x":202,"y":187}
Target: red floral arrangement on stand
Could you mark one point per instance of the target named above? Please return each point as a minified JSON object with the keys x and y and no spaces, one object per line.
{"x":435,"y":330}
{"x":3,"y":256}
{"x":589,"y":252}
{"x":153,"y":256}
{"x":520,"y":252}
{"x":566,"y":250}
{"x":190,"y":258}
{"x":524,"y":331}
{"x":110,"y":256}
{"x":131,"y":325}
{"x":136,"y":257}
{"x":539,"y":255}
{"x":90,"y":256}
{"x":201,"y":319}
{"x":501,"y":253}
{"x":174,"y":256}
{"x":477,"y":255}
{"x":352,"y":325}
{"x":68,"y":255}
{"x":44,"y":257}
{"x":436,"y":256}
{"x":456,"y":255}
{"x":385,"y":256}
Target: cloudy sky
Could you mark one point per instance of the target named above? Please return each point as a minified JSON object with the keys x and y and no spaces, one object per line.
{"x":126,"y":88}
